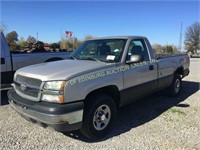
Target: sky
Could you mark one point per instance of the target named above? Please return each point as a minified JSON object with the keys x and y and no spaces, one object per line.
{"x":159,"y":21}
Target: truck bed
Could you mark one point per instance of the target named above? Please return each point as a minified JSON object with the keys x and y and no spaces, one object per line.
{"x":162,"y":56}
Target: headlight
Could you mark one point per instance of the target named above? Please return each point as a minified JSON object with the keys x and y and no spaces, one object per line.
{"x":54,"y":85}
{"x":53,"y":91}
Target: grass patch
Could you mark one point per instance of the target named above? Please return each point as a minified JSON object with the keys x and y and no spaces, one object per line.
{"x":177,"y":111}
{"x":167,"y":118}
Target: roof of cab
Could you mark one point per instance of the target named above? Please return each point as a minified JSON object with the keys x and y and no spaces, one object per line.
{"x":118,"y":37}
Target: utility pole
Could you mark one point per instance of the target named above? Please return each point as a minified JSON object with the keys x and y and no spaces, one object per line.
{"x":37,"y":36}
{"x":61,"y":39}
{"x":180,"y":38}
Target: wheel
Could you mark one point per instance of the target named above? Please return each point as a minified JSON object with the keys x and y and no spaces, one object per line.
{"x":99,"y":116}
{"x":175,"y":88}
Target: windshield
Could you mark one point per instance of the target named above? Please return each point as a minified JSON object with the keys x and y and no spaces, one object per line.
{"x":106,"y":50}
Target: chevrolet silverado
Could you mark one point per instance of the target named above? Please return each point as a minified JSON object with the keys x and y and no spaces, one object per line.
{"x":101,"y":75}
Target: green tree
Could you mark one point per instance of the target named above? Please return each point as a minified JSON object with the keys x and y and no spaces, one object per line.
{"x":54,"y":46}
{"x":192,"y":38}
{"x":168,"y":49}
{"x":12,"y":39}
{"x":22,"y":43}
{"x":40,"y":45}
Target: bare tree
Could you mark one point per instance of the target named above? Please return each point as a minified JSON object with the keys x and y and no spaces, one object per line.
{"x":3,"y":27}
{"x":192,"y":38}
{"x":157,"y":48}
{"x":31,"y":39}
{"x":88,"y":37}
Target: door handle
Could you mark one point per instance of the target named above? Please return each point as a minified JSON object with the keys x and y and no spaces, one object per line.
{"x":2,"y":60}
{"x":151,"y":67}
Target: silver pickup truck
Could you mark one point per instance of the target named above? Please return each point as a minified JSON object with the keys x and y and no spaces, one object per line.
{"x":101,"y":75}
{"x":11,"y":61}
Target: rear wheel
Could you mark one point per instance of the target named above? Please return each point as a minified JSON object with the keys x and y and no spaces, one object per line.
{"x":99,"y":116}
{"x":175,"y":88}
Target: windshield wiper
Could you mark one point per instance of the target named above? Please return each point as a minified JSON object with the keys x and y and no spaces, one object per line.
{"x":90,"y":58}
{"x":72,"y":57}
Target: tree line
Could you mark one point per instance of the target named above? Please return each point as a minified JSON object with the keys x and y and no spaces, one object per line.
{"x":32,"y":44}
{"x":191,"y":42}
{"x":169,"y":49}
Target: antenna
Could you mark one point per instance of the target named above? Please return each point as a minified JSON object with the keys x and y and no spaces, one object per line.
{"x":180,"y":38}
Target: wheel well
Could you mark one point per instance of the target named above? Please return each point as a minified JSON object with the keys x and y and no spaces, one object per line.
{"x":53,"y":59}
{"x":112,"y":91}
{"x":179,"y":71}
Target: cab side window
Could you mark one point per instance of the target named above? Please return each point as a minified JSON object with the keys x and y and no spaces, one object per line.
{"x":137,"y":47}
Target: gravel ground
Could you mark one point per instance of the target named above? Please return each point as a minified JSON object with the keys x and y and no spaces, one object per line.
{"x":156,"y":122}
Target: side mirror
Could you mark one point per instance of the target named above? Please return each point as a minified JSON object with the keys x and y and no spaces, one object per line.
{"x":135,"y":59}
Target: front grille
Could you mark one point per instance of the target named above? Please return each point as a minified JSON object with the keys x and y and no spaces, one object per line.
{"x":29,"y":81}
{"x":29,"y":91}
{"x":30,"y":87}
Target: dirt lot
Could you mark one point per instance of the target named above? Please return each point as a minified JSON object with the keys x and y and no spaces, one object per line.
{"x":156,"y":122}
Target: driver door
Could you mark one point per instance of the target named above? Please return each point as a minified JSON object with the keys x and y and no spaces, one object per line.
{"x":140,"y":79}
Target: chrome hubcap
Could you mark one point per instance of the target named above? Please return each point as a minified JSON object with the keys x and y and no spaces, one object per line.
{"x":101,"y":117}
{"x":177,"y":86}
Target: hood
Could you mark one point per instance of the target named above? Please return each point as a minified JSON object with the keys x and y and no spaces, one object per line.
{"x":60,"y":70}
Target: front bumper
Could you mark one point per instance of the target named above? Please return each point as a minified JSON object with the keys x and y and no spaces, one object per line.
{"x":60,"y":117}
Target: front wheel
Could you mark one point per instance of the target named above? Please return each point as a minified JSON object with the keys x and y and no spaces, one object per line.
{"x":99,"y":116}
{"x":175,"y":88}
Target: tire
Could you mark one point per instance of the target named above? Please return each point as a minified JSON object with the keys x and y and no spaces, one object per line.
{"x":175,"y":88}
{"x":99,"y":116}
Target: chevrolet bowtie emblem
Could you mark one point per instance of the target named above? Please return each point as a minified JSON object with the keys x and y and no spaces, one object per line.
{"x":23,"y":86}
